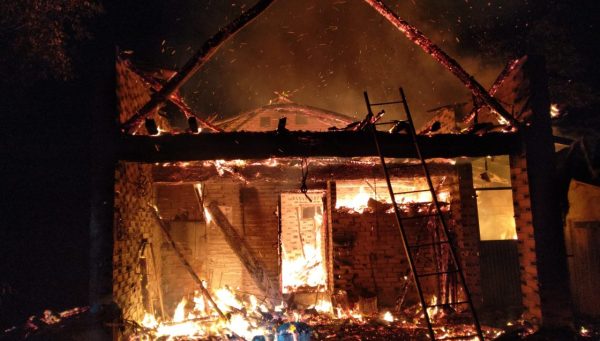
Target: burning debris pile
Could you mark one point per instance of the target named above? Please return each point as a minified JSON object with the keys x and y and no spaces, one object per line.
{"x":248,"y":318}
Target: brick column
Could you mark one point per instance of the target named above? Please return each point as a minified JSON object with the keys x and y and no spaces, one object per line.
{"x":526,"y":241}
{"x":464,"y":212}
{"x":541,"y":239}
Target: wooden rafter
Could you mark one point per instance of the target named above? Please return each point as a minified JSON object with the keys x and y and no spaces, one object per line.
{"x":174,"y":98}
{"x":417,"y":37}
{"x":201,"y":57}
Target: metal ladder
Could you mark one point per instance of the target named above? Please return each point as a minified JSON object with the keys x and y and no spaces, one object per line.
{"x":445,"y":239}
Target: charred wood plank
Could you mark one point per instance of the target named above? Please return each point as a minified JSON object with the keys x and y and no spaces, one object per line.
{"x":242,"y":250}
{"x":289,"y":171}
{"x":263,"y":145}
{"x":165,"y":228}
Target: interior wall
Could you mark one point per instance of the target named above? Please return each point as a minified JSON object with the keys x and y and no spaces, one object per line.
{"x":251,"y":208}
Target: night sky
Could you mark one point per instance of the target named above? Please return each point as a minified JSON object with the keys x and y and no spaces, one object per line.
{"x":325,"y":53}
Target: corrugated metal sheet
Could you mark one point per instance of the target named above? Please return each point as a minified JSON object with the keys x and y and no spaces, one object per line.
{"x":500,"y":282}
{"x":583,"y":241}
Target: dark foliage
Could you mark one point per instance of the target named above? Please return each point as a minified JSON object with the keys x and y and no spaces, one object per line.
{"x":38,"y":37}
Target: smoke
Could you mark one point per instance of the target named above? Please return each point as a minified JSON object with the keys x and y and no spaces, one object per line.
{"x":324,"y":53}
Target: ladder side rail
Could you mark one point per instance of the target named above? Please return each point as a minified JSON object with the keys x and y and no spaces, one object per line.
{"x":400,"y":225}
{"x":441,"y":216}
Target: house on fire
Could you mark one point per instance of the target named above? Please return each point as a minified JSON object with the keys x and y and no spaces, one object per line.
{"x":303,"y":210}
{"x":290,"y":203}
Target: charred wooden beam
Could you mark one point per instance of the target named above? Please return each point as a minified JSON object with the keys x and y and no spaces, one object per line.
{"x":417,"y":37}
{"x":317,"y":171}
{"x":165,"y":228}
{"x":201,"y":57}
{"x":264,"y":145}
{"x":242,"y":250}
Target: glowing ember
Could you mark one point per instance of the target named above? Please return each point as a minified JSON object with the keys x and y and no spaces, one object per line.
{"x":388,"y":317}
{"x":554,"y":111}
{"x":583,"y":331}
{"x":323,"y":306}
{"x":434,"y":310}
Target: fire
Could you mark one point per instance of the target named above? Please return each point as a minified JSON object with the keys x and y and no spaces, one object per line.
{"x":356,"y":197}
{"x":388,"y":317}
{"x":180,"y":311}
{"x":307,"y":269}
{"x":226,"y":300}
{"x":245,"y":321}
{"x":191,"y":325}
{"x":554,"y":111}
{"x":358,"y":203}
{"x":432,"y":312}
{"x":323,"y":306}
{"x":239,"y":325}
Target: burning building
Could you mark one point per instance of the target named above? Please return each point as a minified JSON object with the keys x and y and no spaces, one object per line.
{"x":255,"y":214}
{"x":224,"y":227}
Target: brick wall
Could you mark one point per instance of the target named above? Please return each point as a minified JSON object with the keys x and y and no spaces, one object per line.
{"x":251,"y":209}
{"x":133,"y":223}
{"x":464,"y":214}
{"x":525,"y":235}
{"x":369,"y":254}
{"x":203,"y":245}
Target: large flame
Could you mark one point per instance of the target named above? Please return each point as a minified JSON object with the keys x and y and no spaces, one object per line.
{"x":307,"y":269}
{"x":356,"y":197}
{"x":190,"y":323}
{"x":245,"y":321}
{"x":358,"y":202}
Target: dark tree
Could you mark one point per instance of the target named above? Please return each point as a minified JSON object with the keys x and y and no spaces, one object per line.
{"x":38,"y":37}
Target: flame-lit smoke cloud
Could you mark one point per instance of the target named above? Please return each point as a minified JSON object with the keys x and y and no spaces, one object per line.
{"x":323,"y":52}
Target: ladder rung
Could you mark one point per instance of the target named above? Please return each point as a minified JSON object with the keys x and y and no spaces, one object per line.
{"x":459,"y":337}
{"x":387,"y":123}
{"x":415,"y":191}
{"x":421,"y":216}
{"x":437,"y":273}
{"x":447,"y":304}
{"x":402,"y":166}
{"x":417,"y":246}
{"x":386,"y":103}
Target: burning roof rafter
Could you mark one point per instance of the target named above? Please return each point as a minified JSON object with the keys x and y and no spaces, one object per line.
{"x":211,"y":46}
{"x":201,"y":57}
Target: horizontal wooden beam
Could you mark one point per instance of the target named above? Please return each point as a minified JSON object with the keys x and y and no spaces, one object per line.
{"x":263,"y":145}
{"x":318,"y":171}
